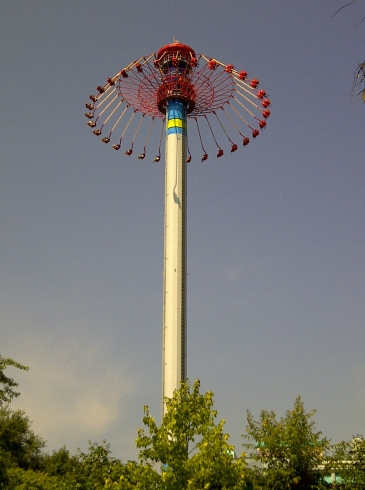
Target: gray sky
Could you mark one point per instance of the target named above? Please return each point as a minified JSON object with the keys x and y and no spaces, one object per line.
{"x":275,"y":231}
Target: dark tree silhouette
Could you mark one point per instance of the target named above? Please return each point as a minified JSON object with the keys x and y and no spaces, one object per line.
{"x":358,"y":87}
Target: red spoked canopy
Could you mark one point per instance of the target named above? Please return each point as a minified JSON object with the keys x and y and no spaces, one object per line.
{"x":210,"y":89}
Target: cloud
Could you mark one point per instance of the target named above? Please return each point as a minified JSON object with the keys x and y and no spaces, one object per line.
{"x":75,"y":390}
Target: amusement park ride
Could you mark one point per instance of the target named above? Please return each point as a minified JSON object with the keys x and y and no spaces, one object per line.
{"x":173,"y":86}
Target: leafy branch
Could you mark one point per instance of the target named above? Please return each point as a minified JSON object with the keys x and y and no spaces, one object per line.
{"x":7,"y":385}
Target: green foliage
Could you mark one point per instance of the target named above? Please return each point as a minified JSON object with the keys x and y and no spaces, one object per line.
{"x":349,"y":463}
{"x":60,"y":463}
{"x":191,"y":447}
{"x":289,"y":451}
{"x":93,"y":470}
{"x":97,"y":466}
{"x":7,"y":384}
{"x":4,"y":477}
{"x":188,"y":451}
{"x":135,"y":476}
{"x":19,"y":446}
{"x":19,"y":479}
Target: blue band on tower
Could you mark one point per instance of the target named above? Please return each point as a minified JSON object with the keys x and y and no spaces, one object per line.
{"x":176,"y":117}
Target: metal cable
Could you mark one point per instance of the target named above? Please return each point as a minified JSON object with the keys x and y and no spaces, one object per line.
{"x":125,"y":129}
{"x":210,"y":127}
{"x":159,"y":146}
{"x":201,"y":141}
{"x":242,"y":105}
{"x":105,"y":97}
{"x":248,"y":100}
{"x":105,"y":108}
{"x":148,"y":134}
{"x":233,"y":124}
{"x":239,"y":115}
{"x":119,"y":118}
{"x":110,"y":115}
{"x":135,"y":134}
{"x":225,"y":132}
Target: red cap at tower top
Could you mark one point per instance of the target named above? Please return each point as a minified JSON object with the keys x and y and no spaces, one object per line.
{"x":175,"y":48}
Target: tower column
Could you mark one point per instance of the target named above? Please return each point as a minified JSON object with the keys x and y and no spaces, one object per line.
{"x":174,"y":301}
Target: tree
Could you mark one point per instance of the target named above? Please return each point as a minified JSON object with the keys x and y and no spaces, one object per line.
{"x":61,"y":463}
{"x":19,"y":479}
{"x":93,"y":470}
{"x":97,"y":466}
{"x":20,"y":448}
{"x":190,"y":446}
{"x":349,"y":463}
{"x":289,"y":450}
{"x":21,"y":457}
{"x":19,"y":445}
{"x":358,"y":87}
{"x":24,"y":465}
{"x":133,"y":476}
{"x":7,"y":385}
{"x":359,"y":81}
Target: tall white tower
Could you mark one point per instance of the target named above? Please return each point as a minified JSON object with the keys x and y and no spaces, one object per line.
{"x":176,"y":99}
{"x":174,"y":304}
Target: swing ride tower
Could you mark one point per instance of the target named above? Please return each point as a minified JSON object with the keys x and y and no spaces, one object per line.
{"x":175,"y":99}
{"x":176,"y":85}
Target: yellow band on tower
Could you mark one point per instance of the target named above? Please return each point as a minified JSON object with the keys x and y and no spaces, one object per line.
{"x":176,"y":123}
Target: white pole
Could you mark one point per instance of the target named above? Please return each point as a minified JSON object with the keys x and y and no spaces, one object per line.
{"x":174,"y":304}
